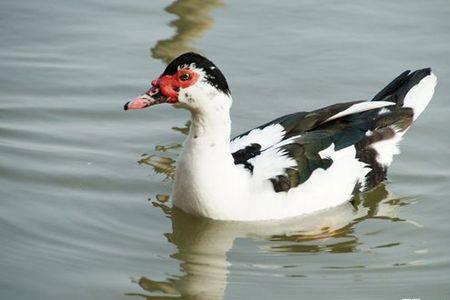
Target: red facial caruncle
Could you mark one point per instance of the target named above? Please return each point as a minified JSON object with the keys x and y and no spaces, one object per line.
{"x":169,"y":85}
{"x":164,"y":89}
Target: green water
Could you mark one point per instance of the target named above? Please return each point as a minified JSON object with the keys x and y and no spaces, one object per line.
{"x":77,"y":172}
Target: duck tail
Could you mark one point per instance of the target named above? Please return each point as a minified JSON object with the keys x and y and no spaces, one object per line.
{"x":410,"y":90}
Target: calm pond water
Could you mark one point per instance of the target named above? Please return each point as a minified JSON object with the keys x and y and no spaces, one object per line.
{"x":84,"y":185}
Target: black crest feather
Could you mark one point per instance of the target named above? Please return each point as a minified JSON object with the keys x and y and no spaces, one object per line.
{"x":214,"y":75}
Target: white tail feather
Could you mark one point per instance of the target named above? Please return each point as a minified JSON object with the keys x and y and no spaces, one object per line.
{"x":420,"y":95}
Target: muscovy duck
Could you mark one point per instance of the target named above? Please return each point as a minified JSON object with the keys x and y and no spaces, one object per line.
{"x":296,"y":164}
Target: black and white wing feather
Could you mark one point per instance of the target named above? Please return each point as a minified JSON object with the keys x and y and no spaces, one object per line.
{"x":287,"y":150}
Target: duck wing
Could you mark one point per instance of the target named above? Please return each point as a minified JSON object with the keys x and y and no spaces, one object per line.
{"x":289,"y":149}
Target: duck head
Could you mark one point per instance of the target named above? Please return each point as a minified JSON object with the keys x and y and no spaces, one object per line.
{"x":190,"y":81}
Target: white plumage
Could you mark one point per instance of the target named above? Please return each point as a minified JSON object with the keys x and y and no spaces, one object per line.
{"x":266,"y":137}
{"x":360,"y":107}
{"x":420,"y":95}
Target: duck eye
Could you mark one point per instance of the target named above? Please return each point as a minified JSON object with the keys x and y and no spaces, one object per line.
{"x":185,"y":76}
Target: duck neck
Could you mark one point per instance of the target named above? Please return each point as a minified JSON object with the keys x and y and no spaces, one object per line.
{"x":211,"y":127}
{"x":206,"y":177}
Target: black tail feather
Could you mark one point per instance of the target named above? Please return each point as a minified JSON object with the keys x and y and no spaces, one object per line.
{"x":399,"y":87}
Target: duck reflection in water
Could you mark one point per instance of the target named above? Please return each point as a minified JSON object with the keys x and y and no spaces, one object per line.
{"x":164,"y":159}
{"x":193,"y":19}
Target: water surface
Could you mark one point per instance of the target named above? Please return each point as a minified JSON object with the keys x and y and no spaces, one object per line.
{"x":84,"y":212}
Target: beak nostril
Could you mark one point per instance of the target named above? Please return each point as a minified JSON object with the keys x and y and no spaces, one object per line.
{"x":153,"y":91}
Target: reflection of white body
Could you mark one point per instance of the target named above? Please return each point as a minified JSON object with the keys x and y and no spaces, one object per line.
{"x":203,"y":243}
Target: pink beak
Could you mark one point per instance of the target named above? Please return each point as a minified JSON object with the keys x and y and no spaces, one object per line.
{"x":151,"y":97}
{"x":138,"y":103}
